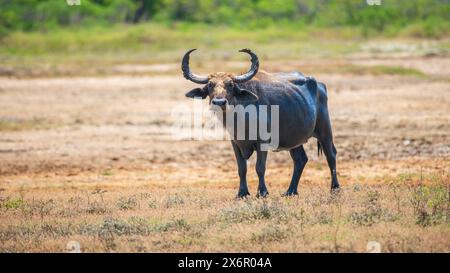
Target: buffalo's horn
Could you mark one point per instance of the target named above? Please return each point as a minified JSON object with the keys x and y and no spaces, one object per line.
{"x":187,"y":71}
{"x":253,"y":69}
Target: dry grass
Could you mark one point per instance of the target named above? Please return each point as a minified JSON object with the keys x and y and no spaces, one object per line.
{"x":405,"y":213}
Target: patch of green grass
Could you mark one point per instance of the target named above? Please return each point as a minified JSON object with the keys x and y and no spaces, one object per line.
{"x":13,"y":124}
{"x":380,"y":70}
{"x":14,"y":203}
{"x":150,"y":38}
{"x":394,"y":70}
{"x":107,"y":173}
{"x":97,"y":49}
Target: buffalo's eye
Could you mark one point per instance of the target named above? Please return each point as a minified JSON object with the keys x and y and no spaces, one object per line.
{"x":209,"y":86}
{"x":229,"y":86}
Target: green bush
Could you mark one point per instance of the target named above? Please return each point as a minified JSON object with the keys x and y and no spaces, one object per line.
{"x":433,"y":27}
{"x":427,"y":18}
{"x":431,"y":204}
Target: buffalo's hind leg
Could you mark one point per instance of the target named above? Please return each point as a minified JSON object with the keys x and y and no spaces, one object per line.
{"x":323,"y":133}
{"x":261,"y":158}
{"x":330,"y":153}
{"x":300,"y":159}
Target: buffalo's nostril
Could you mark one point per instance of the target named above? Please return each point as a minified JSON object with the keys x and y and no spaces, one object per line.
{"x":219,"y":102}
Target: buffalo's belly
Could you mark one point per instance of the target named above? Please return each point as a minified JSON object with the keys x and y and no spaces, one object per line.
{"x":294,"y":137}
{"x":296,"y":126}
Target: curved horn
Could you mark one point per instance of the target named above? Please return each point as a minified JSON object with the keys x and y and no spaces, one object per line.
{"x":187,"y":71}
{"x":253,"y":69}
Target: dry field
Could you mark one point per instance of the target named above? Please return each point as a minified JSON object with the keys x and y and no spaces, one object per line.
{"x":92,"y":160}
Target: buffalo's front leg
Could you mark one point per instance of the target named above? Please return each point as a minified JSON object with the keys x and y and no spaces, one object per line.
{"x":242,"y":170}
{"x":261,"y":170}
{"x":300,"y":159}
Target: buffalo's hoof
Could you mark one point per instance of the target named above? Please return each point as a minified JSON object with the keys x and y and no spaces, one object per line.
{"x":289,"y":193}
{"x":335,"y":189}
{"x":262,"y":194}
{"x":242,"y":194}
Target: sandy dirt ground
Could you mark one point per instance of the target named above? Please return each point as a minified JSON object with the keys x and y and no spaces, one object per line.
{"x":72,"y":137}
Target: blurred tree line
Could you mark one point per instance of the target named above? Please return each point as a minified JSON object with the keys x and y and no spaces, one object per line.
{"x":28,"y":15}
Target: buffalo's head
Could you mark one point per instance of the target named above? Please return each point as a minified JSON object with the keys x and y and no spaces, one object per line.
{"x":221,"y":87}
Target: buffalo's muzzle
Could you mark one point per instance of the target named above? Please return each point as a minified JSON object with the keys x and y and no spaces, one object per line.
{"x":219,"y":102}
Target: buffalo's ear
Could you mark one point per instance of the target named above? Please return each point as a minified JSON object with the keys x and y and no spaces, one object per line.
{"x":245,"y":95}
{"x":197,"y":93}
{"x":311,"y":83}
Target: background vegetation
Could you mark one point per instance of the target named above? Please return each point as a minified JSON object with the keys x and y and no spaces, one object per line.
{"x":51,"y":37}
{"x":429,"y":18}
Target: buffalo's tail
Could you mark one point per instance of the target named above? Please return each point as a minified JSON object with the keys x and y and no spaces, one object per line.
{"x":319,"y":149}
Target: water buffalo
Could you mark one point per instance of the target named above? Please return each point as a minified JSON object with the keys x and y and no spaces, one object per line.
{"x":303,"y":113}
